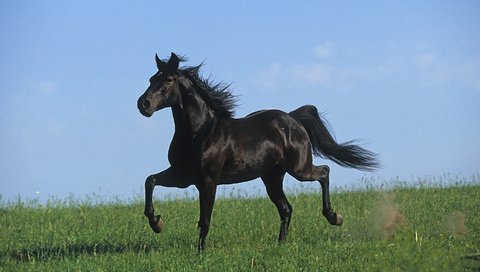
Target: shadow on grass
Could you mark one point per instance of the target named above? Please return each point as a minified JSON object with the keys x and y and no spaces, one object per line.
{"x":48,"y":253}
{"x":472,"y":262}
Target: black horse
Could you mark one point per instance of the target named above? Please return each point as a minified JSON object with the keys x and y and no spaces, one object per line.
{"x":210,"y":147}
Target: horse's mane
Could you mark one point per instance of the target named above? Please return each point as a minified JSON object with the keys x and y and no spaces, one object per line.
{"x":216,"y":95}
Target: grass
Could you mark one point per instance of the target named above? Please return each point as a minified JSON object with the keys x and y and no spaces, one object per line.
{"x":434,"y":228}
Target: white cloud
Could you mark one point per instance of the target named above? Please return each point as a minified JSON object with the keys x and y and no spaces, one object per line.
{"x":276,"y":75}
{"x":434,"y":70}
{"x":424,"y":60}
{"x":324,"y":50}
{"x":424,"y":68}
{"x":327,"y":75}
{"x":315,"y":74}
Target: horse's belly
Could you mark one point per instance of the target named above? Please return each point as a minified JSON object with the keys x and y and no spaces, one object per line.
{"x":250,"y":164}
{"x":239,"y":176}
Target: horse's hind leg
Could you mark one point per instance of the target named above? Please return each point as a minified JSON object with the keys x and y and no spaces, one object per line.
{"x":321,"y":173}
{"x":274,"y":184}
{"x":332,"y":217}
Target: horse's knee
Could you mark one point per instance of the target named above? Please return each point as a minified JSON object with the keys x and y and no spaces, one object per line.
{"x":324,"y":173}
{"x":150,"y":183}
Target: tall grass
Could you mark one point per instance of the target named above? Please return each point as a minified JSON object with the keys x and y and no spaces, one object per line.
{"x":433,"y":228}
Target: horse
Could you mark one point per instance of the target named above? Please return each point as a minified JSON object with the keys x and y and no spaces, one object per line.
{"x":210,"y":147}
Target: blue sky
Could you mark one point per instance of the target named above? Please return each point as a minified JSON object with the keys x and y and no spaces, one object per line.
{"x":403,"y":76}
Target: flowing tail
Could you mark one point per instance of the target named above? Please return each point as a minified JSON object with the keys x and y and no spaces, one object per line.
{"x":324,"y":145}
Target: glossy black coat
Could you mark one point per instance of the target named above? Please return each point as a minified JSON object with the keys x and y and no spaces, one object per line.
{"x":210,"y":147}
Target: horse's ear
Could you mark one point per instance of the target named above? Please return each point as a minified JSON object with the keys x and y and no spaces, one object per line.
{"x":160,"y":63}
{"x":174,"y":61}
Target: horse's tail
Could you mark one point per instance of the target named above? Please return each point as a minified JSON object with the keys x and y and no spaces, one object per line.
{"x":324,"y":145}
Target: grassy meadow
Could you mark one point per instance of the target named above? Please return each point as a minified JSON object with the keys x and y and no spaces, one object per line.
{"x":425,"y":228}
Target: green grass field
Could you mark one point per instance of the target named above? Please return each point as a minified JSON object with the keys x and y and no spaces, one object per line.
{"x":429,"y":228}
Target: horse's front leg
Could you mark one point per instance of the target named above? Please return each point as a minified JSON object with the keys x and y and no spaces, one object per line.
{"x":167,"y":178}
{"x":207,"y":190}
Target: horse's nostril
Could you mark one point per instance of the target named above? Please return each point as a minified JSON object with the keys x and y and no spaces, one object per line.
{"x":146,"y":104}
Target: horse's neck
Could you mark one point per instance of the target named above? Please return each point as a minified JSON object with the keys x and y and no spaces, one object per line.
{"x":179,"y":119}
{"x":192,"y":115}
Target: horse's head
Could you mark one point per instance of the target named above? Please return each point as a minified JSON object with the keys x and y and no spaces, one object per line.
{"x":163,"y":90}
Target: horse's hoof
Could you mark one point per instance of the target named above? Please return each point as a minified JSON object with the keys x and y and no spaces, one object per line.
{"x":157,"y":224}
{"x":339,"y":220}
{"x":335,"y":219}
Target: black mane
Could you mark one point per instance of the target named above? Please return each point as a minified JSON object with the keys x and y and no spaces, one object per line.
{"x":217,"y":95}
